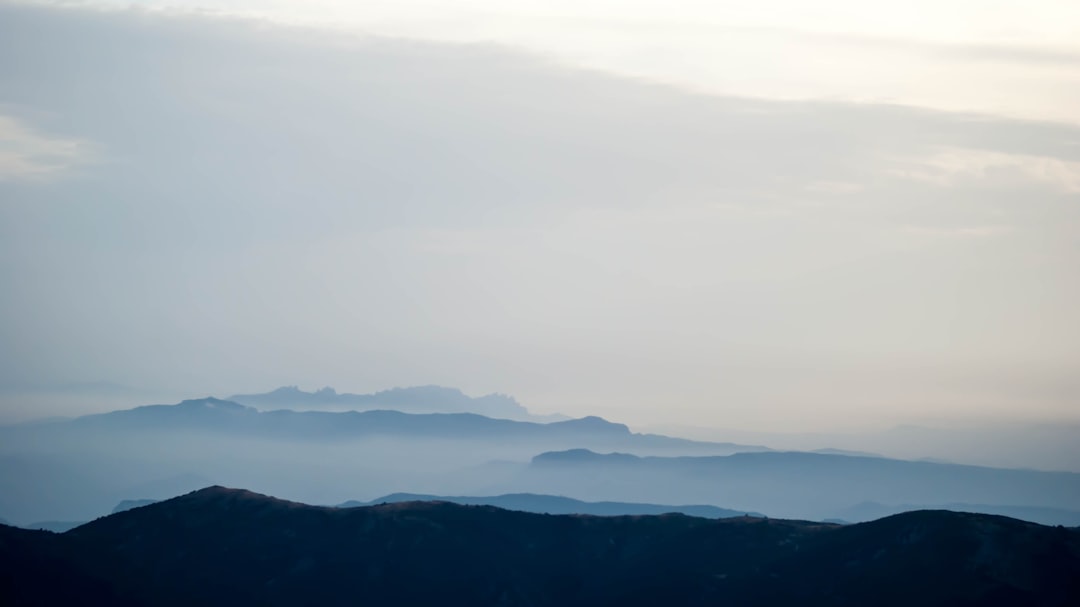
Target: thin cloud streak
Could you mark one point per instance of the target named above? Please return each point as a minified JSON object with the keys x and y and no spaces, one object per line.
{"x":28,"y":154}
{"x":1016,"y":59}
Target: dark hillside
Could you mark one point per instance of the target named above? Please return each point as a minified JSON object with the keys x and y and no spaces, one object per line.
{"x":221,"y":546}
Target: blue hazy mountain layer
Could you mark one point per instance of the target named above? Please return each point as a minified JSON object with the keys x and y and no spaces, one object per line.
{"x":78,"y":469}
{"x":129,"y":504}
{"x":807,"y":485}
{"x":556,"y":504}
{"x":223,"y":416}
{"x":417,"y":399}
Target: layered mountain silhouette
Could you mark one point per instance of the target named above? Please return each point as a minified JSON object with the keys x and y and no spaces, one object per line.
{"x":230,"y":547}
{"x":72,"y":470}
{"x":555,"y":504}
{"x":804,"y":485}
{"x":219,"y":416}
{"x":76,"y":469}
{"x":418,"y":399}
{"x":524,"y":502}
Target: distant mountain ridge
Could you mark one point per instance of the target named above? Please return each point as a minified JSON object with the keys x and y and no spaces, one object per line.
{"x":556,"y":504}
{"x":62,"y":526}
{"x":226,"y":547}
{"x":223,"y":416}
{"x":805,"y":485}
{"x":417,"y":399}
{"x":129,"y":504}
{"x":73,"y":470}
{"x":523,"y":502}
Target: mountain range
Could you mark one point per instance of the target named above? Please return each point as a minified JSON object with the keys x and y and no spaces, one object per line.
{"x":416,"y":399}
{"x":71,"y":470}
{"x":218,"y":547}
{"x":814,"y":486}
{"x":555,"y":504}
{"x":74,"y":470}
{"x":523,"y":502}
{"x":214,"y":415}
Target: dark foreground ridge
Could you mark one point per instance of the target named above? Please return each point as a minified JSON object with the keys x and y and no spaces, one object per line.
{"x":221,"y":546}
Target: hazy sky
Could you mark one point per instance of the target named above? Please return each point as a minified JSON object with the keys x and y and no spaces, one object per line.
{"x":778,"y":217}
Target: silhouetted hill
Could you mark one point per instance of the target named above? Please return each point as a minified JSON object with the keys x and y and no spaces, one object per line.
{"x":228,"y":547}
{"x":418,"y":399}
{"x":802,"y":485}
{"x":555,"y":504}
{"x":868,"y":511}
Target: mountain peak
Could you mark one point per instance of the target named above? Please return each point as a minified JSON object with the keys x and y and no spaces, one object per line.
{"x":286,"y":390}
{"x":217,"y":494}
{"x":215,"y":490}
{"x":582,"y":456}
{"x":415,"y":399}
{"x":210,"y":402}
{"x":592,"y":424}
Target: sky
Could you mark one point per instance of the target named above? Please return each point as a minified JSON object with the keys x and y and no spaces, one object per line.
{"x":777,"y":217}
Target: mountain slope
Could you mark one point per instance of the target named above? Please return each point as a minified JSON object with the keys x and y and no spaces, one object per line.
{"x":228,"y":547}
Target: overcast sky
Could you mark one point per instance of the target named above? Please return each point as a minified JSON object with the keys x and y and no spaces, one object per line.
{"x":662,"y":213}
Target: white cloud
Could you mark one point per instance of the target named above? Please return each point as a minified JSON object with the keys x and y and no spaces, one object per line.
{"x":950,"y":166}
{"x":958,"y":232}
{"x":28,"y":154}
{"x":834,"y":187}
